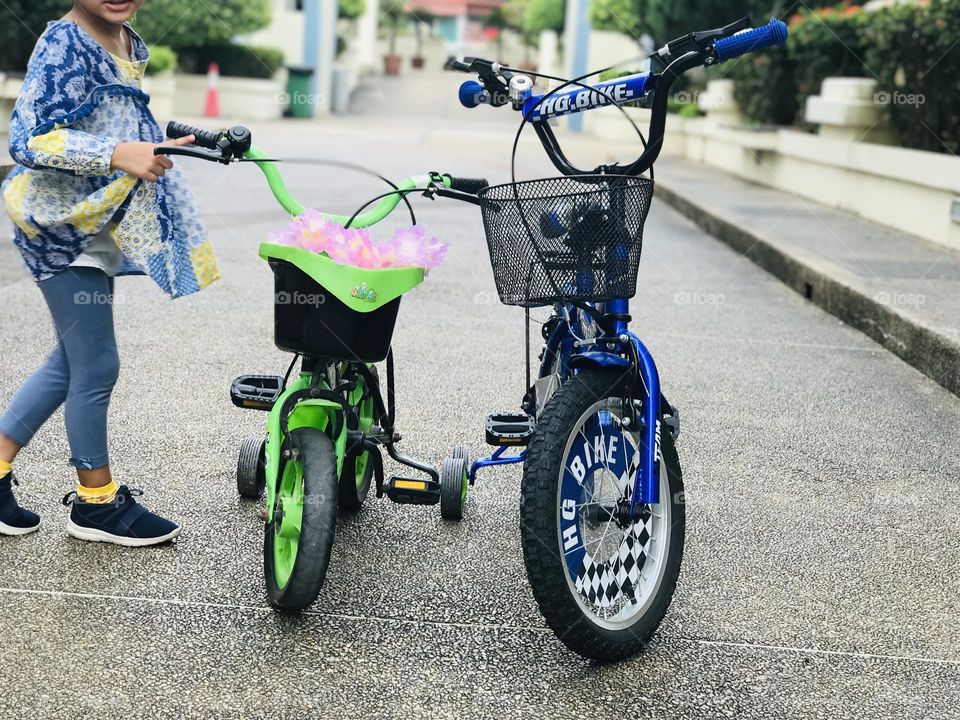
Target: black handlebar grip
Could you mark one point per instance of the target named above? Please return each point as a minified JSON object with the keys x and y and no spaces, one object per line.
{"x":468,"y":185}
{"x":203,"y":138}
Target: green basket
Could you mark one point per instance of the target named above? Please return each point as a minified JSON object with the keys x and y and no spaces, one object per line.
{"x":325,"y":309}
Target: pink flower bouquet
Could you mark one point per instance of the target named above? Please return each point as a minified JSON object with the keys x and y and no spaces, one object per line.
{"x":352,"y":246}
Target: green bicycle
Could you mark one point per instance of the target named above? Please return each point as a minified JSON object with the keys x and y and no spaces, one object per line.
{"x":328,"y":425}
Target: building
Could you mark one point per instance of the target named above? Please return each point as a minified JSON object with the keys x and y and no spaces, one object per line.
{"x":458,"y":22}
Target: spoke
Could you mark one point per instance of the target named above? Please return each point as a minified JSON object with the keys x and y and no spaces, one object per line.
{"x":586,"y":441}
{"x":296,"y":519}
{"x":606,"y":460}
{"x":606,"y":527}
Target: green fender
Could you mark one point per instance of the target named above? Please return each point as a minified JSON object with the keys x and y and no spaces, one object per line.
{"x":317,"y":414}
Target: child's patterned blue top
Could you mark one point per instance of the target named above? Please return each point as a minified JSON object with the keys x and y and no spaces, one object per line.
{"x":78,"y":102}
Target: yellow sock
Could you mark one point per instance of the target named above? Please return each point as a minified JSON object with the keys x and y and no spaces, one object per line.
{"x":5,"y":469}
{"x":98,"y":495}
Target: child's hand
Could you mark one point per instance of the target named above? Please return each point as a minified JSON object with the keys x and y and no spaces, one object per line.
{"x":137,"y":159}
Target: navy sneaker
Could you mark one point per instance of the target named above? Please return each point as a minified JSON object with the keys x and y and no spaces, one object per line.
{"x":14,"y":520}
{"x":121,"y":521}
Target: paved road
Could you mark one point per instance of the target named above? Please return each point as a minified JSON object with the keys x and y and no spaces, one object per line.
{"x":821,"y":576}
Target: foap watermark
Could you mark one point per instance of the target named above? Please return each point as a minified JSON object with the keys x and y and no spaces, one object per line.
{"x":96,"y":298}
{"x":298,"y":99}
{"x":695,"y":97}
{"x":697,"y":298}
{"x":300,"y":298}
{"x":898,"y":97}
{"x":701,"y":102}
{"x":900,"y":299}
{"x":489,"y":298}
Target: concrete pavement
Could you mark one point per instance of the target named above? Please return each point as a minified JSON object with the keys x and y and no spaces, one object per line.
{"x":899,"y":290}
{"x":820,"y":577}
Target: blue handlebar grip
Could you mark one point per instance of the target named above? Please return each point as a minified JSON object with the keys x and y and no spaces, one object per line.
{"x":470,"y":94}
{"x":775,"y":33}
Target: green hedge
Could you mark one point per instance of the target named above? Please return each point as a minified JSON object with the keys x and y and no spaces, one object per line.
{"x":912,"y":50}
{"x":915,"y":52}
{"x":195,"y":23}
{"x":825,"y":43}
{"x":765,"y":88}
{"x":234,"y":60}
{"x":162,"y":59}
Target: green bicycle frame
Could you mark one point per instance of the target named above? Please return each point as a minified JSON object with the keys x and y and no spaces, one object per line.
{"x":318,"y":413}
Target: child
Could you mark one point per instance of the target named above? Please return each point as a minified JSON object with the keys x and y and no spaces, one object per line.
{"x":91,"y":201}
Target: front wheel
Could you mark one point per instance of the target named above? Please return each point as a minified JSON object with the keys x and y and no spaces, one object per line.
{"x":603,"y":585}
{"x":298,"y":538}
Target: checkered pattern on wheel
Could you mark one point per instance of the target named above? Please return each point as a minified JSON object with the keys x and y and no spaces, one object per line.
{"x":603,"y":583}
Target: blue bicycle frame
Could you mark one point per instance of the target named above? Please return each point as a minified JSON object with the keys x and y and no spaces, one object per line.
{"x":612,"y":350}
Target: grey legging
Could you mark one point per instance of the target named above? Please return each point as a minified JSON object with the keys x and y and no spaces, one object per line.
{"x":80,"y":372}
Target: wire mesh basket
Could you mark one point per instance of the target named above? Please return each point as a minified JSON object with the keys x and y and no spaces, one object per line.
{"x":566,"y":239}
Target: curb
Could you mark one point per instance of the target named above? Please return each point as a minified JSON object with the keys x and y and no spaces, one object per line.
{"x":932,"y":353}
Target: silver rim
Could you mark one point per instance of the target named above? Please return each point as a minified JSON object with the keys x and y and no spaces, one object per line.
{"x":618,"y":570}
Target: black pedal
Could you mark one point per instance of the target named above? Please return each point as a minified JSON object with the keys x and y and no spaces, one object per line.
{"x":413,"y":491}
{"x":256,"y":392}
{"x":510,"y":429}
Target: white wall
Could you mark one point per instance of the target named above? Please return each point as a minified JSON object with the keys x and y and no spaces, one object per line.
{"x":284,"y":33}
{"x":613,"y":48}
{"x":910,"y":190}
{"x":240,"y":98}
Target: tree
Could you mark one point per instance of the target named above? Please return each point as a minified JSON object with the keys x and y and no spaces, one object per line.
{"x":515,"y":11}
{"x":669,"y":19}
{"x":186,"y":23}
{"x":392,"y":14}
{"x":21,"y":22}
{"x":419,"y":19}
{"x":351,"y":9}
{"x":625,"y":16}
{"x":544,"y":15}
{"x":497,"y":19}
{"x":515,"y":14}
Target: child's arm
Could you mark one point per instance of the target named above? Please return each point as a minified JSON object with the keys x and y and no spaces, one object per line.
{"x":64,"y":149}
{"x":56,"y":93}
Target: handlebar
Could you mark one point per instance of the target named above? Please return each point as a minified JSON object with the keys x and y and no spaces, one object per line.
{"x":773,"y":33}
{"x":203,"y":138}
{"x":500,"y":86}
{"x":236,"y":143}
{"x":471,"y":186}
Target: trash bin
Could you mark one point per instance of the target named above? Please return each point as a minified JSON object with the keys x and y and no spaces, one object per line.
{"x":298,"y":88}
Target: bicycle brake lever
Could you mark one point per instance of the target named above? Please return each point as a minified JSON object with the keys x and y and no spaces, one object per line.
{"x":193,"y":152}
{"x":702,"y":40}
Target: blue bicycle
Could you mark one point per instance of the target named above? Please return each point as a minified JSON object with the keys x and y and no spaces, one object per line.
{"x":602,"y":509}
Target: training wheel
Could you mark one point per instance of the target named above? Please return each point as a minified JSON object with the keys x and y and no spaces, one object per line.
{"x":251,"y":468}
{"x":453,"y":488}
{"x":462,"y":452}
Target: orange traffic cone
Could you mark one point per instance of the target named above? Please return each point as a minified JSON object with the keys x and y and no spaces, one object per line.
{"x":212,"y":107}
